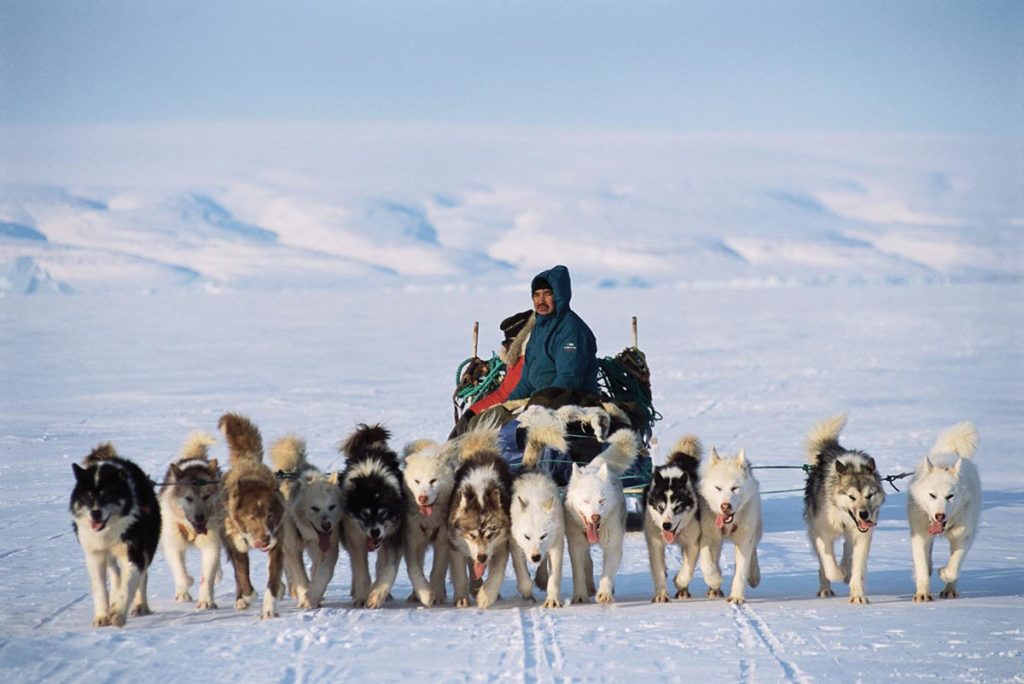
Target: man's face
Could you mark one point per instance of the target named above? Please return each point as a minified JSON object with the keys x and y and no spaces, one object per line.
{"x":543,"y":302}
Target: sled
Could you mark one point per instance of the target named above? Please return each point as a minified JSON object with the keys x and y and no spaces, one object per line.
{"x":624,"y":380}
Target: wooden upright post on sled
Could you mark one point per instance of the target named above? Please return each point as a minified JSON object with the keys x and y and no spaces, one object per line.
{"x":634,"y":334}
{"x":476,"y":337}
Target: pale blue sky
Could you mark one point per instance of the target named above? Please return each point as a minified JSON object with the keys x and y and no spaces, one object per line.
{"x":874,"y":66}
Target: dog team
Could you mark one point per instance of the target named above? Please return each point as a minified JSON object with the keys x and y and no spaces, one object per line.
{"x":461,"y":500}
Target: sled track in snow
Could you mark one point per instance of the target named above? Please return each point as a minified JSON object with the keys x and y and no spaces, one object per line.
{"x":751,"y":625}
{"x":542,"y":656}
{"x":60,"y":610}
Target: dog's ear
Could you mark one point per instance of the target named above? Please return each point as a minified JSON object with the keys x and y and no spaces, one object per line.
{"x":841,"y":467}
{"x":955,"y":468}
{"x":715,"y":458}
{"x":549,"y":504}
{"x":334,"y":478}
{"x":495,"y":496}
{"x":79,"y":472}
{"x":602,"y":472}
{"x":213,"y":464}
{"x":871,"y":465}
{"x":175,"y":471}
{"x":741,"y":458}
{"x":576,"y":469}
{"x":522,"y":502}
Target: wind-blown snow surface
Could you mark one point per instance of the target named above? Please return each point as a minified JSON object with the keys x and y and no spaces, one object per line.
{"x":241,"y":206}
{"x":753,"y":368}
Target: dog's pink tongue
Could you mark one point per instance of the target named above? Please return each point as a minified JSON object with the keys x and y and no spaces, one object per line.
{"x":325,"y":540}
{"x":478,"y":569}
{"x":592,"y":533}
{"x":98,"y":525}
{"x":669,"y":536}
{"x":426,"y":511}
{"x":719,"y":521}
{"x":935,"y":528}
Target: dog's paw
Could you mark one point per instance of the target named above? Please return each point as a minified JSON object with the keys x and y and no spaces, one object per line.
{"x":483,"y":601}
{"x":949,"y":592}
{"x":206,"y":605}
{"x":358,"y":603}
{"x":115,"y":619}
{"x":661,"y":597}
{"x":552,"y":602}
{"x":183,"y":596}
{"x":581,"y":598}
{"x":947,"y":576}
{"x":715,"y":593}
{"x":377,"y":598}
{"x":923,"y":597}
{"x":683,"y":594}
{"x":826,"y":592}
{"x":244,"y":601}
{"x":859,"y":599}
{"x":305,"y":603}
{"x":736,"y":600}
{"x":605,"y":597}
{"x":462,"y":602}
{"x":141,"y":609}
{"x":101,"y":621}
{"x":268,"y":613}
{"x":425,"y":598}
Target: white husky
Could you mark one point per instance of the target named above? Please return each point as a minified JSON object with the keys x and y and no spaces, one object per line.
{"x":313,"y":500}
{"x":429,"y":476}
{"x":538,"y":535}
{"x":595,"y":510}
{"x":193,"y":517}
{"x":945,"y":498}
{"x":730,"y":503}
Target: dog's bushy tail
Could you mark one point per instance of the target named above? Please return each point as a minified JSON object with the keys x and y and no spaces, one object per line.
{"x":244,"y":440}
{"x":623,"y":446}
{"x":824,"y":436}
{"x":103,"y":452}
{"x":197,"y":446}
{"x":288,"y":454}
{"x":687,"y":448}
{"x":483,"y":438}
{"x":960,"y":439}
{"x":418,"y":446}
{"x":544,"y":428}
{"x":365,"y":438}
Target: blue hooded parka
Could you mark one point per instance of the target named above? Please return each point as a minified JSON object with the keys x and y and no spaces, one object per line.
{"x":562,"y":351}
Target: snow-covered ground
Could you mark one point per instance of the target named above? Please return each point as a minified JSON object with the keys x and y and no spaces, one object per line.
{"x":752,"y":367}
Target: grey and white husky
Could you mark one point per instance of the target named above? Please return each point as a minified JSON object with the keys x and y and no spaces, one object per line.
{"x":479,"y":523}
{"x":429,"y":476}
{"x":672,"y":516}
{"x":595,"y":511}
{"x":192,"y":507}
{"x":842,"y":497}
{"x":945,"y":499}
{"x":730,"y":509}
{"x":313,"y":500}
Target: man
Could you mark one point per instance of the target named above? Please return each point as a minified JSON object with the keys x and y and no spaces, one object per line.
{"x":561,"y":356}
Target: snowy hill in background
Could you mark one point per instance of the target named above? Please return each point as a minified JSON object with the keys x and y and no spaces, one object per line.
{"x":268,"y":206}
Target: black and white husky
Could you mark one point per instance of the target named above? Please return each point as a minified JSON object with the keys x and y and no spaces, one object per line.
{"x":192,"y":505}
{"x":595,"y":513}
{"x":374,"y":512}
{"x":116,"y":517}
{"x":944,"y":499}
{"x":672,"y":516}
{"x":842,"y":498}
{"x":479,"y":520}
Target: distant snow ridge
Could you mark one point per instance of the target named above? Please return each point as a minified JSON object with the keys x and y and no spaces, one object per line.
{"x":19,"y":231}
{"x":24,"y":275}
{"x":202,"y":208}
